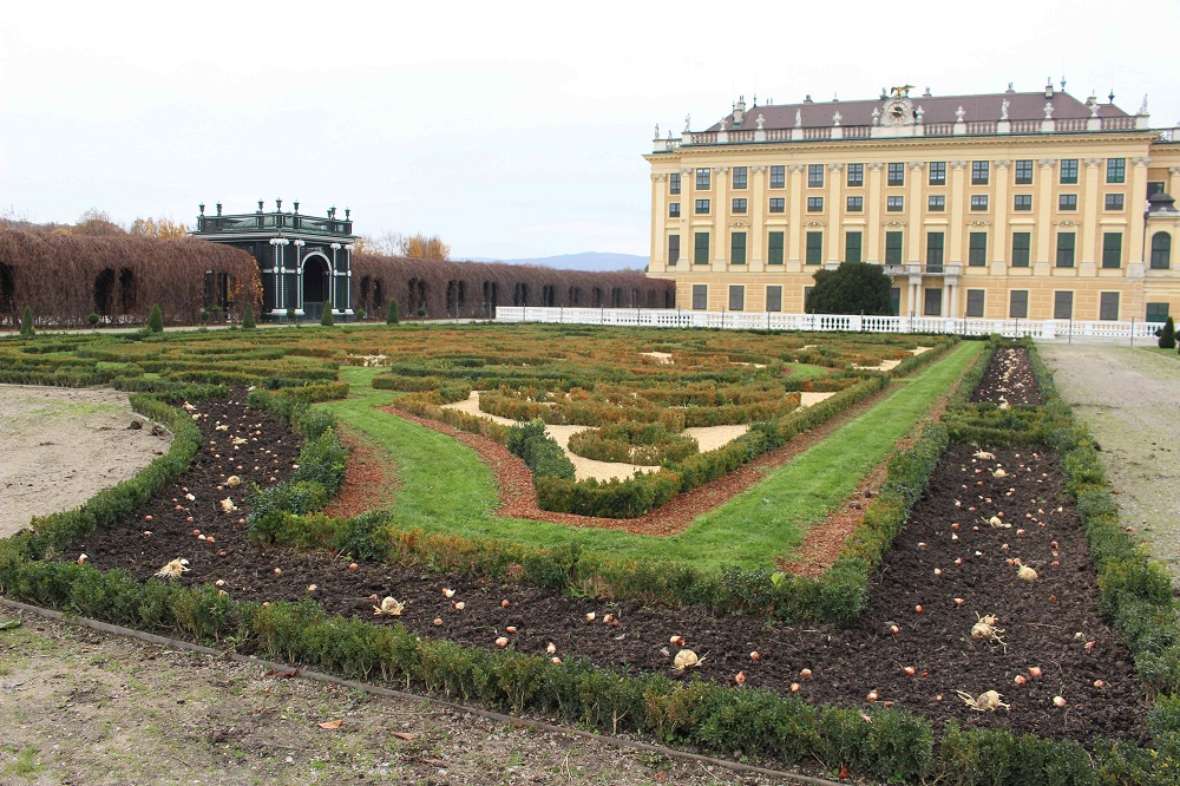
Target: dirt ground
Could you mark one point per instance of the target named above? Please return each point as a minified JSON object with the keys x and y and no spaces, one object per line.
{"x":1128,"y":399}
{"x":61,"y":445}
{"x":81,"y":707}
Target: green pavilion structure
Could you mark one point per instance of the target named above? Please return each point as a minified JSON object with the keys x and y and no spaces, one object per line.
{"x":305,"y":261}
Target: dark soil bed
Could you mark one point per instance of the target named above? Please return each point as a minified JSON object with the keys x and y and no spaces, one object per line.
{"x":1009,"y":378}
{"x":1051,"y":623}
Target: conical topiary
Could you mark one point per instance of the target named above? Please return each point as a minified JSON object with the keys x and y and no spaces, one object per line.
{"x":1168,"y":335}
{"x":326,"y":318}
{"x":156,"y":320}
{"x":26,"y":323}
{"x":391,"y":316}
{"x":248,"y":317}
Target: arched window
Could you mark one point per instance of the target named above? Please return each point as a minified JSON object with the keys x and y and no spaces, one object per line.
{"x":1161,"y":251}
{"x":366,"y":284}
{"x":548,"y":296}
{"x":574,"y":297}
{"x":597,"y":297}
{"x":7,"y":293}
{"x":104,"y":292}
{"x":520,"y":295}
{"x":378,"y":294}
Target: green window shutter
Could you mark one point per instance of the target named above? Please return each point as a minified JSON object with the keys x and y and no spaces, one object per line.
{"x":978,"y":249}
{"x":700,"y":253}
{"x":1112,"y":249}
{"x":1065,"y":248}
{"x":893,"y":248}
{"x":1021,"y":242}
{"x":775,"y":248}
{"x":737,"y":248}
{"x":815,"y":247}
{"x":852,"y":247}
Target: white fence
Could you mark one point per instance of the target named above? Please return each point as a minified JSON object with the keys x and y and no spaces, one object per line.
{"x":749,"y":320}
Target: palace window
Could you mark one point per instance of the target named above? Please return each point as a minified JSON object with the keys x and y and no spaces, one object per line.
{"x":673,"y":210}
{"x":1155,"y":187}
{"x":1112,"y":249}
{"x":895,"y":204}
{"x":1116,"y":170}
{"x":777,"y":204}
{"x":934,"y":242}
{"x":738,"y":205}
{"x":1024,"y":172}
{"x":815,"y":204}
{"x":937,"y":173}
{"x":774,"y":248}
{"x":778,"y":176}
{"x":737,"y":297}
{"x":674,"y":183}
{"x":1021,"y":245}
{"x":815,"y":175}
{"x":673,"y":249}
{"x":1022,"y":202}
{"x":1067,"y":202}
{"x":896,"y":173}
{"x":774,"y":298}
{"x":1157,"y":312}
{"x":852,"y":246}
{"x":1114,"y":202}
{"x":1161,"y":251}
{"x":980,"y":171}
{"x":703,"y":178}
{"x":700,"y":297}
{"x":977,"y":249}
{"x":936,"y":203}
{"x":1018,"y":304}
{"x":1063,"y":305}
{"x":815,"y":247}
{"x":1068,"y":173}
{"x":855,"y":204}
{"x":1065,"y":249}
{"x":700,"y":251}
{"x":1108,"y":306}
{"x":702,"y":207}
{"x":979,"y":202}
{"x":737,"y":248}
{"x":739,"y":177}
{"x":975,"y":299}
{"x":933,"y":305}
{"x":893,"y":248}
{"x":856,"y":175}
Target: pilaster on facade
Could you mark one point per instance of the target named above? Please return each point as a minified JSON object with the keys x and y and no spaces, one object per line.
{"x":1138,"y":188}
{"x":1043,"y":233}
{"x":874,"y":213}
{"x":915,"y":210}
{"x":1090,"y":199}
{"x":720,"y":184}
{"x":957,"y":196}
{"x":795,"y":226}
{"x":835,"y":211}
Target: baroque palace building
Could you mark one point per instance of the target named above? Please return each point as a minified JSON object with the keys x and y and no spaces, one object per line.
{"x":1024,"y":205}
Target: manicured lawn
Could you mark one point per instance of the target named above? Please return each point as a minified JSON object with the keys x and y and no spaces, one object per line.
{"x":445,"y":487}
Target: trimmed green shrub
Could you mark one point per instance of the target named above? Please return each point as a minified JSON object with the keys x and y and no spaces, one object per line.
{"x":326,"y":318}
{"x":248,"y":317}
{"x":93,"y":319}
{"x":540,"y":452}
{"x":1168,"y":335}
{"x":391,"y":315}
{"x":156,"y":320}
{"x":26,"y":323}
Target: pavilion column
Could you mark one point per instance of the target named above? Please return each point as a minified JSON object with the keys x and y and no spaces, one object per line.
{"x":348,"y":279}
{"x":298,"y":271}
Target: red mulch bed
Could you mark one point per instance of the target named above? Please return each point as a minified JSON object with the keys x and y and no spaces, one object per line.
{"x":1041,"y":619}
{"x":369,"y":480}
{"x":518,"y":498}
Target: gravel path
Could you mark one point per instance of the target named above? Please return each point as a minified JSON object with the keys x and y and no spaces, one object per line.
{"x":1128,"y":399}
{"x":82,"y":707}
{"x":58,"y":446}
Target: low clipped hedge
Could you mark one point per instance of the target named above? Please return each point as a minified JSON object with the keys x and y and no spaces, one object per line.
{"x":649,"y":444}
{"x":539,"y":451}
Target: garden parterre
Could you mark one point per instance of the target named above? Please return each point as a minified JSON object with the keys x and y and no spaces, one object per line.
{"x":861,"y":733}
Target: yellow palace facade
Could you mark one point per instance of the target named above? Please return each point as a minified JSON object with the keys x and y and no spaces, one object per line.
{"x":1007,"y":205}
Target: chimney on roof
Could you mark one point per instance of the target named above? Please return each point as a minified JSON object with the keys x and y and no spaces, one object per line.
{"x":927,"y":94}
{"x":218,"y":208}
{"x":1010,"y":89}
{"x":739,"y":110}
{"x":1049,"y":88}
{"x":884,"y":95}
{"x":1111,"y":96}
{"x":807,"y":99}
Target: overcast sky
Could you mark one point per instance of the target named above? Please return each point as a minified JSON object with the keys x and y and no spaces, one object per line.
{"x":511,"y":129}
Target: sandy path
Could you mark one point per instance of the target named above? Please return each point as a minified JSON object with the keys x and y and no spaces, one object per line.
{"x":1128,"y":399}
{"x":85,"y":707}
{"x":61,"y":445}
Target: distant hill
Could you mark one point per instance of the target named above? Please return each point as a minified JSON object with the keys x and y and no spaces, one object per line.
{"x":590,"y":261}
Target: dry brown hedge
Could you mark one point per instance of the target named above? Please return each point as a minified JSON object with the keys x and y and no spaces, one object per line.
{"x":64,"y":277}
{"x":457,"y":289}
